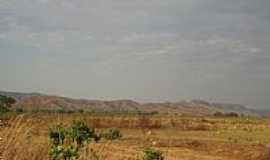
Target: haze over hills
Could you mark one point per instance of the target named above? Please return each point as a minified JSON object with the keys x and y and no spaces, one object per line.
{"x":37,"y":101}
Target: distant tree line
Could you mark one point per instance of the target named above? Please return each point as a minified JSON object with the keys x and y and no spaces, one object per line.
{"x":230,"y":114}
{"x":6,"y":102}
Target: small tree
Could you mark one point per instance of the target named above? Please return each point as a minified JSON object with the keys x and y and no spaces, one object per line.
{"x":80,"y":132}
{"x":6,"y":102}
{"x":152,"y":154}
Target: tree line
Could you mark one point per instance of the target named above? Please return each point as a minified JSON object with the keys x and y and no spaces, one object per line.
{"x":6,"y":102}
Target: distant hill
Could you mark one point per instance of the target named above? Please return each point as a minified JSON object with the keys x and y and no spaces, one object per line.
{"x":19,"y":96}
{"x":37,"y":101}
{"x":236,"y":108}
{"x":263,"y":112}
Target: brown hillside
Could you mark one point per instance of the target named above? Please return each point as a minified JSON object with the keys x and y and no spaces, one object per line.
{"x":36,"y":101}
{"x":53,"y":103}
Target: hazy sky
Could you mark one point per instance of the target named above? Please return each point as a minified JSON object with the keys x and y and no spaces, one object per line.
{"x":146,"y":50}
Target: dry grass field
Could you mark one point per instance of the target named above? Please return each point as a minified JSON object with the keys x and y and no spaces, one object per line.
{"x":25,"y":137}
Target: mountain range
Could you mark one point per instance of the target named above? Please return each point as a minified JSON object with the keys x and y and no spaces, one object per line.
{"x":37,"y":101}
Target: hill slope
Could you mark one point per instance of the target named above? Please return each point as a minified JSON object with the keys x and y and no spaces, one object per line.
{"x":36,"y":101}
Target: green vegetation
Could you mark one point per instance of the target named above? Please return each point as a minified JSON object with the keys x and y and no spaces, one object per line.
{"x":80,"y":111}
{"x":63,"y":153}
{"x":61,"y":138}
{"x":112,"y":134}
{"x":57,"y":135}
{"x":66,"y":143}
{"x":75,"y":136}
{"x":152,"y":154}
{"x":5,"y":103}
{"x":80,"y":133}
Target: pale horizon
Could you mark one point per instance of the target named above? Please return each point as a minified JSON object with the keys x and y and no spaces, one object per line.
{"x":152,"y":51}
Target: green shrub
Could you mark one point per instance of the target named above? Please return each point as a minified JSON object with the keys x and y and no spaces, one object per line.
{"x":63,"y":153}
{"x":55,"y":152}
{"x":63,"y":140}
{"x":57,"y":135}
{"x":112,"y":134}
{"x":80,"y":132}
{"x":152,"y":154}
{"x":70,"y":153}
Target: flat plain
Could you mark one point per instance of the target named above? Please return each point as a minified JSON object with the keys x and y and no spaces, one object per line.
{"x":25,"y":136}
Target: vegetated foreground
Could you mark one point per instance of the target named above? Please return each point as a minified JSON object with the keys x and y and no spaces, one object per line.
{"x":26,"y":137}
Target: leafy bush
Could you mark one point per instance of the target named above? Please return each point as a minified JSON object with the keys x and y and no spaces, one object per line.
{"x":80,"y":132}
{"x":63,"y":153}
{"x":64,"y":139}
{"x":55,"y":152}
{"x":70,"y":153}
{"x":152,"y":154}
{"x":112,"y":134}
{"x":57,"y":135}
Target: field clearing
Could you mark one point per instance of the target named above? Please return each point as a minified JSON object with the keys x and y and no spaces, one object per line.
{"x":25,"y":137}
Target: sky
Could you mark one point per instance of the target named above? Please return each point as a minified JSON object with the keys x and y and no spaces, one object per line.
{"x":154,"y":50}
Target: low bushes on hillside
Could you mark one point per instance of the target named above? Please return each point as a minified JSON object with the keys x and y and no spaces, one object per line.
{"x":231,"y":114}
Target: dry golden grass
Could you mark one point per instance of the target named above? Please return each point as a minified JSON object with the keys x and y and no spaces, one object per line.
{"x":25,"y":137}
{"x":20,"y":142}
